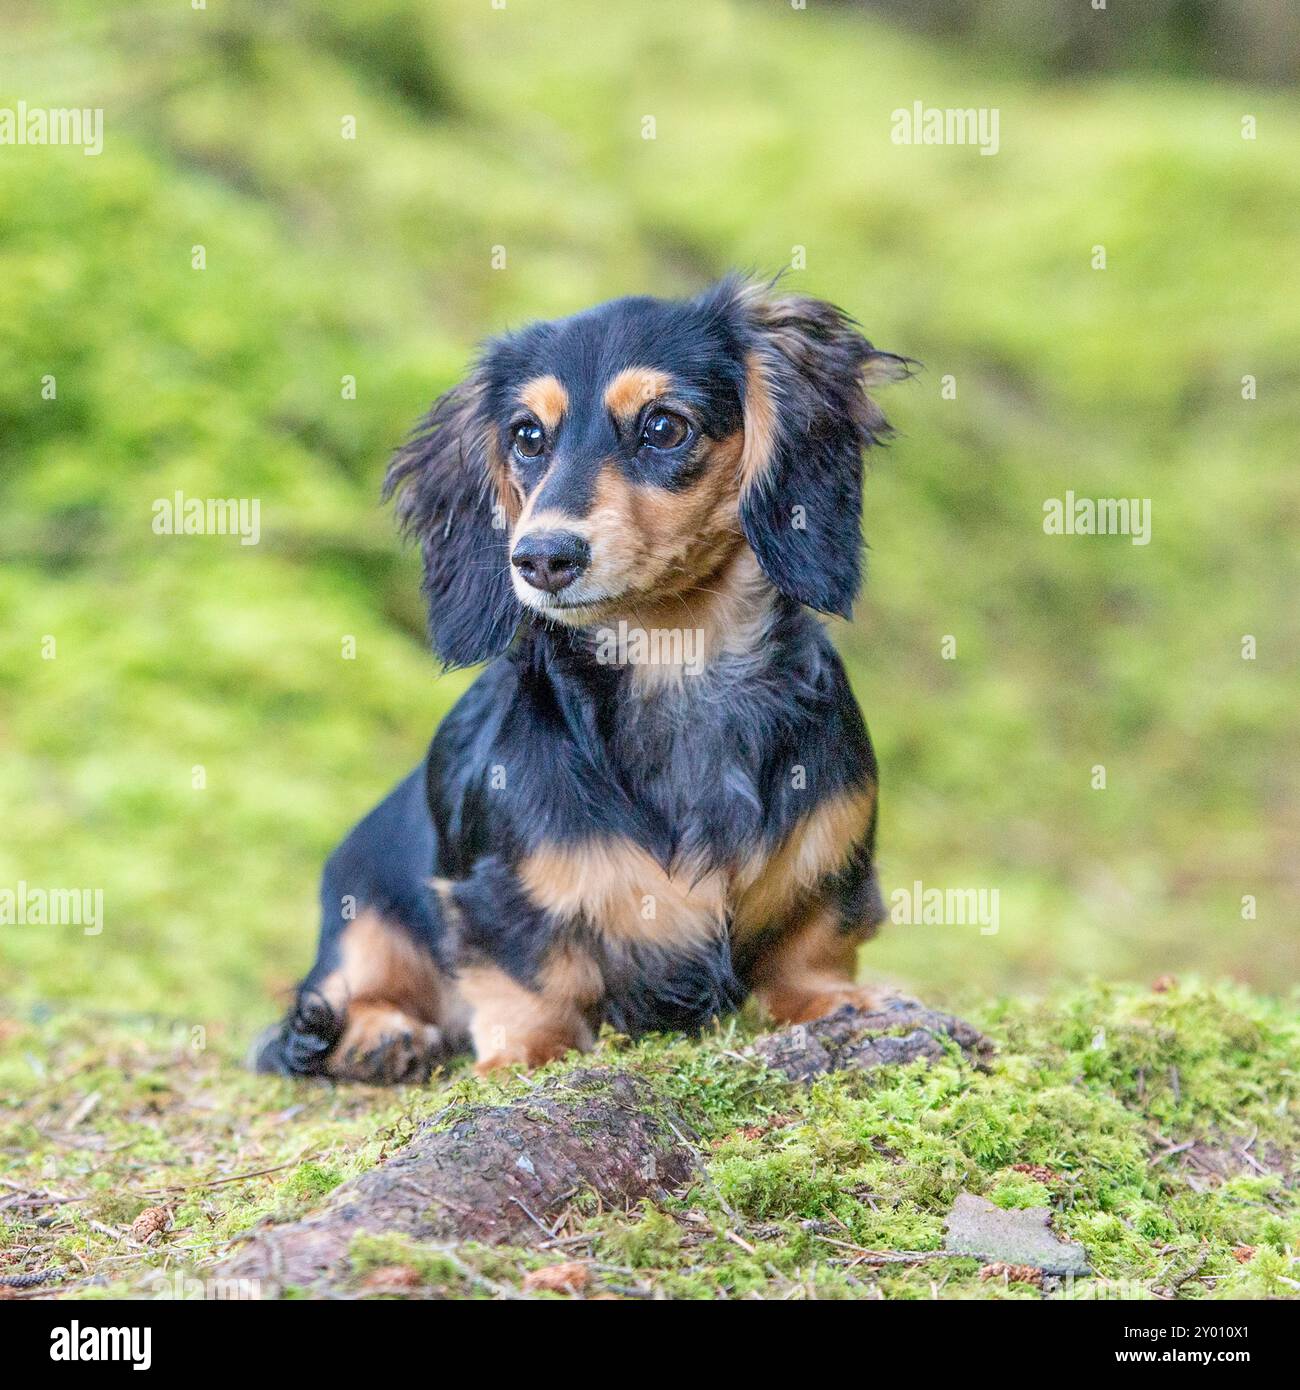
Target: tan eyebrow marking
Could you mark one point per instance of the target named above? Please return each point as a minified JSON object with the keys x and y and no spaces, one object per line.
{"x":633,"y":387}
{"x":546,"y":397}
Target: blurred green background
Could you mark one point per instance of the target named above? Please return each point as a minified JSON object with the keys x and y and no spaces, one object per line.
{"x":521,"y":128}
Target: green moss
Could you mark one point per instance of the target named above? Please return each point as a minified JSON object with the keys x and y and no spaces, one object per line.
{"x":434,"y":1267}
{"x":1016,"y":1191}
{"x":797,"y":1184}
{"x":312,"y":1181}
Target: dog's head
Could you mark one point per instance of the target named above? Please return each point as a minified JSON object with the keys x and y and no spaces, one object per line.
{"x":623,"y":456}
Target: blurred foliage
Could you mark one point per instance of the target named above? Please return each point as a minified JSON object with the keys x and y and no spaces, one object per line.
{"x":521,"y":128}
{"x":1254,"y":40}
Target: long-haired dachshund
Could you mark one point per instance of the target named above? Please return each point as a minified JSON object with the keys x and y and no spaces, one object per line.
{"x":659,"y":797}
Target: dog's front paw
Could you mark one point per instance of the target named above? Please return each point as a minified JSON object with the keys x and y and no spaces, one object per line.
{"x":803,"y":1006}
{"x":383,"y":1046}
{"x":524,"y":1052}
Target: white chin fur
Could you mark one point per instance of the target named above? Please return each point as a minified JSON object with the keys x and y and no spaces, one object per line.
{"x":573,"y":612}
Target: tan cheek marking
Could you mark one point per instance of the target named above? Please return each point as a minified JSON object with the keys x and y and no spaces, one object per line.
{"x":513,"y":1025}
{"x":614,"y":530}
{"x":696,"y":529}
{"x":760,"y":424}
{"x":381,"y":964}
{"x":620,"y":891}
{"x":648,"y":538}
{"x":771,"y":887}
{"x":508,"y":491}
{"x":546,"y":397}
{"x":634,"y":387}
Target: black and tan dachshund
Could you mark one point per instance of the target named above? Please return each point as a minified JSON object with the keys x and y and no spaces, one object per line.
{"x":659,"y":797}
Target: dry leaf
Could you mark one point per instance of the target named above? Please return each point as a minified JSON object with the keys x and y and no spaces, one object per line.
{"x":391,"y":1278}
{"x":565,"y":1278}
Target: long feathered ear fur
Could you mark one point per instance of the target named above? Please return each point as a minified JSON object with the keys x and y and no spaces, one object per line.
{"x":453,"y":497}
{"x":808,"y":420}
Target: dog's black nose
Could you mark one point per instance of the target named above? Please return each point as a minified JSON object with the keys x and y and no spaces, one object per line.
{"x":551,"y":560}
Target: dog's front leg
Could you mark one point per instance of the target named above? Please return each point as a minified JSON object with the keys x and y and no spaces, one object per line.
{"x":809,"y":971}
{"x":512,"y":1023}
{"x":531,"y":992}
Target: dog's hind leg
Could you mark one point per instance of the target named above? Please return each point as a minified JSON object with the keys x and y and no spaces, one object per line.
{"x":376,"y":1005}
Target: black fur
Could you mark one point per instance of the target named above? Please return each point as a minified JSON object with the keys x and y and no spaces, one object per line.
{"x":448,"y":503}
{"x":803,"y":518}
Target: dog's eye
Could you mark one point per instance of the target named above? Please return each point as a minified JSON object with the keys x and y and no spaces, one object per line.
{"x":529,"y":439}
{"x":664,"y":430}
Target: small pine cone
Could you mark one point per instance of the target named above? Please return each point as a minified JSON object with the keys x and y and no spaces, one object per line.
{"x":1013,"y":1274}
{"x":150,"y":1221}
{"x":565,"y":1278}
{"x":1038,"y":1171}
{"x":28,"y":1281}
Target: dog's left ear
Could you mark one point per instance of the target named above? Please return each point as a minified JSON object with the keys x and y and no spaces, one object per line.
{"x":455,"y":497}
{"x":808,"y":420}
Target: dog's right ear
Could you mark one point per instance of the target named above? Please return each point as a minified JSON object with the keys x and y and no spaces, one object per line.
{"x":454,"y":497}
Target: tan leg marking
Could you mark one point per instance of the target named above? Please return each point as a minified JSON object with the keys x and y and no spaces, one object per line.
{"x":383,"y":1045}
{"x":772,"y":888}
{"x":393,"y":997}
{"x":512,"y":1025}
{"x":808,"y":973}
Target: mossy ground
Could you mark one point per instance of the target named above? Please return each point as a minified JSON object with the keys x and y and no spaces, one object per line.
{"x":1162,"y":1128}
{"x":197,"y":739}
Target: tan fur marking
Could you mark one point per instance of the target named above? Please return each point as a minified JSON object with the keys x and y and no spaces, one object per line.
{"x":651,"y":548}
{"x":546,"y":397}
{"x":514,"y":1025}
{"x":548,"y":520}
{"x":760,"y":424}
{"x":770,"y":887}
{"x":728,"y":614}
{"x":634,"y":387}
{"x":624,"y":893}
{"x":808,"y":973}
{"x":658,"y":544}
{"x":508,"y":491}
{"x":380,"y":963}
